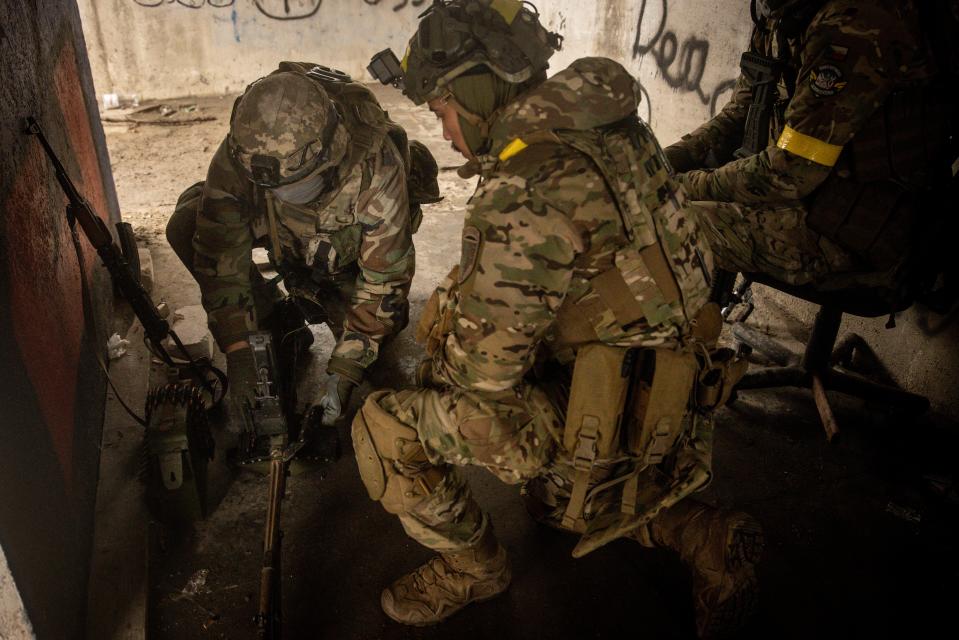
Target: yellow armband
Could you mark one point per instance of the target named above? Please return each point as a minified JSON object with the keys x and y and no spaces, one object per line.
{"x":808,"y":147}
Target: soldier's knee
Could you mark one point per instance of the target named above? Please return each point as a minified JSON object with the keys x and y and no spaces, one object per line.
{"x":181,"y":226}
{"x":391,"y":460}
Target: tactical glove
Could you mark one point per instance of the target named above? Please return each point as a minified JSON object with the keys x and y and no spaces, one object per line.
{"x":241,"y":371}
{"x":338,"y":390}
{"x":680,"y":159}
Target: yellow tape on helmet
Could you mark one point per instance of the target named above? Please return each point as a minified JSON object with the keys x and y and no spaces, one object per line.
{"x":506,"y":8}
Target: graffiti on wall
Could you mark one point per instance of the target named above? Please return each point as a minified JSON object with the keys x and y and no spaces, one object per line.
{"x":402,"y":4}
{"x":275,"y":9}
{"x":192,"y":4}
{"x":681,"y":62}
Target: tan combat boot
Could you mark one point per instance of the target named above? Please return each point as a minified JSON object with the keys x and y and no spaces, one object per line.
{"x":447,"y":583}
{"x":721,"y":548}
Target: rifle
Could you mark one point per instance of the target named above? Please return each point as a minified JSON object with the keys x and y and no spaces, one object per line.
{"x":269,"y":617}
{"x":155,"y":328}
{"x":762,"y":74}
{"x":270,"y":424}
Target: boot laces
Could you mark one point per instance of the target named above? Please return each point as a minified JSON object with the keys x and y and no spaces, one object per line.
{"x":429,"y":574}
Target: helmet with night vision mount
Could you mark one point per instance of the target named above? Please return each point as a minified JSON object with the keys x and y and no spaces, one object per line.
{"x":456,"y":36}
{"x":284,"y":128}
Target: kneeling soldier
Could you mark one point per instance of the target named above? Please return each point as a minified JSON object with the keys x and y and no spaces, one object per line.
{"x":573,"y":347}
{"x":314,"y":171}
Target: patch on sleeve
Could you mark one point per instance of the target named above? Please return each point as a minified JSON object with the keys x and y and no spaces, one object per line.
{"x":826,"y":80}
{"x":471,"y":246}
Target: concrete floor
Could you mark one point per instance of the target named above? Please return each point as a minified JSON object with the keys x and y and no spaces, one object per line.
{"x":857,"y":543}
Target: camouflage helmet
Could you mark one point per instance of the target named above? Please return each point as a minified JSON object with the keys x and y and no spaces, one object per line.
{"x":454,"y":36}
{"x":283,"y":128}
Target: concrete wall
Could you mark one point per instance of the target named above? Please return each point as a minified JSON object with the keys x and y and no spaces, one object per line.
{"x":54,"y":315}
{"x":685,"y":52}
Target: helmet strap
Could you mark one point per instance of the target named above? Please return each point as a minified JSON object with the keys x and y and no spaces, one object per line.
{"x":474,"y":119}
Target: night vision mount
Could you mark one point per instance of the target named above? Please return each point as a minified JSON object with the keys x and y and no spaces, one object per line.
{"x":385,"y":67}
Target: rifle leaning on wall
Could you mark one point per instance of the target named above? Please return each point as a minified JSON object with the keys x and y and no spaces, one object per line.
{"x":155,"y":327}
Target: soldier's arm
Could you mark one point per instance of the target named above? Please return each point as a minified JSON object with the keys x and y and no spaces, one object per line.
{"x":223,"y":246}
{"x":515,"y":269}
{"x":386,"y":262}
{"x":846,"y":74}
{"x":714,"y":141}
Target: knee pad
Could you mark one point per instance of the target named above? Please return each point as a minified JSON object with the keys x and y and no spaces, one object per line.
{"x":391,"y":460}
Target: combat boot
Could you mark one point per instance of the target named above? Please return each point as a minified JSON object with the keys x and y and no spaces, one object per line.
{"x":721,"y":549}
{"x":447,"y":583}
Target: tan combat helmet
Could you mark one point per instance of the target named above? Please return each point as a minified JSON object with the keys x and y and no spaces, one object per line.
{"x":455,"y":36}
{"x":284,"y":128}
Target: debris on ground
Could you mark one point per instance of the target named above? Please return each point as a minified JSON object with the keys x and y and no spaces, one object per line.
{"x":116,"y":346}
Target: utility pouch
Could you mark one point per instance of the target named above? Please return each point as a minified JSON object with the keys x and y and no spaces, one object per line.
{"x":875,"y":221}
{"x":346,"y":243}
{"x":717,"y":380}
{"x":436,"y":320}
{"x":662,"y":385}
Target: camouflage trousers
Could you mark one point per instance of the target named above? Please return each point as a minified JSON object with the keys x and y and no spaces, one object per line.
{"x":334,"y":295}
{"x":770,"y":240}
{"x":508,"y":433}
{"x":512,"y":434}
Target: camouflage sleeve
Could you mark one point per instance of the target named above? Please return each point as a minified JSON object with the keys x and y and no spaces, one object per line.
{"x":223,"y":246}
{"x":515,"y":268}
{"x":845,"y":75}
{"x":715,"y":141}
{"x":379,"y":306}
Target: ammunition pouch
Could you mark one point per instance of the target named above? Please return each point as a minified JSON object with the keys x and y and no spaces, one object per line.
{"x":653,"y":408}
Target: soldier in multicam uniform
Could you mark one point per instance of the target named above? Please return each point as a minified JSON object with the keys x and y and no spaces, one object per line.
{"x":563,"y":266}
{"x":313,"y":170}
{"x":830,"y":192}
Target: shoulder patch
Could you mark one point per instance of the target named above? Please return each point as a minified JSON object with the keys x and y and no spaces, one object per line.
{"x":826,"y":80}
{"x":471,"y":245}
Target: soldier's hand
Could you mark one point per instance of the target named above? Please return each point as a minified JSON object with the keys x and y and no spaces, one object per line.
{"x":241,"y":371}
{"x":680,"y":159}
{"x":338,"y":390}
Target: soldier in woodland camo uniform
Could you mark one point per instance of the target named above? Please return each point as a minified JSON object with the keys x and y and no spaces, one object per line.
{"x":313,"y":171}
{"x":547,"y":268}
{"x":850,"y":139}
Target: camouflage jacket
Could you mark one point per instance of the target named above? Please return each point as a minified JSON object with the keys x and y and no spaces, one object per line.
{"x":541,"y":228}
{"x":360,"y":231}
{"x":835,"y":73}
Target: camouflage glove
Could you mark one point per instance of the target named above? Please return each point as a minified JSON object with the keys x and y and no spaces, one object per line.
{"x":241,"y":371}
{"x":338,"y":390}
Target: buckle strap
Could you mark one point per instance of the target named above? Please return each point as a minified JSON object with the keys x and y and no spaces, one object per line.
{"x":584,"y":456}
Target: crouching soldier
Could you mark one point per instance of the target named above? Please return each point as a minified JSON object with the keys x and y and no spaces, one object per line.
{"x":314,"y":171}
{"x":572,"y":350}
